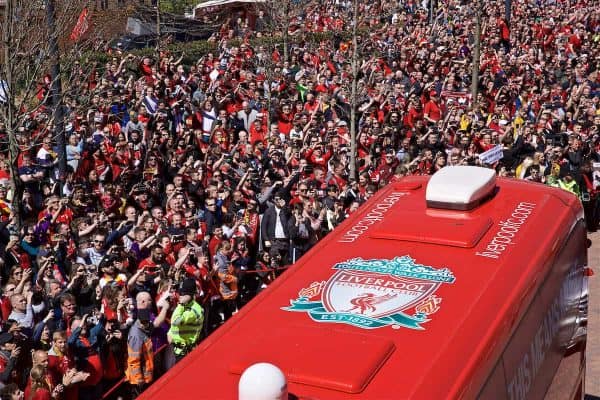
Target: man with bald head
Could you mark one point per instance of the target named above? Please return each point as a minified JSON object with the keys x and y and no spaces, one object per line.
{"x":247,"y":114}
{"x":143,"y":301}
{"x":40,"y":357}
{"x":22,"y":311}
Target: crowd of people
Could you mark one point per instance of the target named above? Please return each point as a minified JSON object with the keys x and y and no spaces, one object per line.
{"x":190,"y":188}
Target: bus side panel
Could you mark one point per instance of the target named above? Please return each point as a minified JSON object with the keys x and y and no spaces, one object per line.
{"x":567,"y":381}
{"x":535,"y":351}
{"x":495,"y":387}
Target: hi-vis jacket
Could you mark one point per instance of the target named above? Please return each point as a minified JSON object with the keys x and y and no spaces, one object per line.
{"x":572,"y":186}
{"x":140,"y":358}
{"x":186,"y":326}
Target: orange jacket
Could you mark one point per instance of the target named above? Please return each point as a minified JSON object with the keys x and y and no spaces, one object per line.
{"x":140,"y":358}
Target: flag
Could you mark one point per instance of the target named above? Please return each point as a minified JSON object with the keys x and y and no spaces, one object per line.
{"x":82,"y":25}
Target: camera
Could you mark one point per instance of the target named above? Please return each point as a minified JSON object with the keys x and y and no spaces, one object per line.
{"x":151,"y":269}
{"x":139,"y":188}
{"x":51,"y":257}
{"x":177,"y":238}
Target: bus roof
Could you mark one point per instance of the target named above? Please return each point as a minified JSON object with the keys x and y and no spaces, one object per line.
{"x":402,"y":299}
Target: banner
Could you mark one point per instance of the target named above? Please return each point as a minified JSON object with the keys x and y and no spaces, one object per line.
{"x":492,"y":155}
{"x":82,"y":26}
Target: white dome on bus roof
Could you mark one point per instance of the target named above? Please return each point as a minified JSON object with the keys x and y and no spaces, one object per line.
{"x":460,"y":187}
{"x":262,"y":381}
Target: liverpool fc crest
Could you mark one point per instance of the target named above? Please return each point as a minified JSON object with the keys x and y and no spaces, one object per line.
{"x":375,"y":293}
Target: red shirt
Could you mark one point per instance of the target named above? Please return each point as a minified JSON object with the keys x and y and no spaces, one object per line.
{"x":257,"y":135}
{"x":147,"y":263}
{"x":285,"y":122}
{"x":319,"y":160}
{"x":93,"y":366}
{"x":39,"y":393}
{"x":5,"y":307}
{"x":58,"y":365}
{"x":433,"y":111}
{"x":213,"y":244}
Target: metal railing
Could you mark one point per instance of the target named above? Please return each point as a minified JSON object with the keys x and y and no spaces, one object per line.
{"x":122,"y":381}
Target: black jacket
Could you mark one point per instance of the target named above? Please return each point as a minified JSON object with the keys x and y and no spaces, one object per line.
{"x":267,"y":226}
{"x":301,"y":237}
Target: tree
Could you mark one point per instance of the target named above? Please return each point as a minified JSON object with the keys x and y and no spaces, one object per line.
{"x":353,"y":90}
{"x":28,"y":50}
{"x":476,"y":51}
{"x":283,"y":20}
{"x":176,"y":6}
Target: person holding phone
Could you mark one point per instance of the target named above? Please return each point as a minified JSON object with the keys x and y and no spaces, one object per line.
{"x":301,"y":233}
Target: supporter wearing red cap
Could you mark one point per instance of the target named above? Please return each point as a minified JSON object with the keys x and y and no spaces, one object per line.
{"x":432,"y":112}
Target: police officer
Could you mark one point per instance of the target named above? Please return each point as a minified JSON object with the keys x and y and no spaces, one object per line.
{"x":569,"y":184}
{"x":186,"y":321}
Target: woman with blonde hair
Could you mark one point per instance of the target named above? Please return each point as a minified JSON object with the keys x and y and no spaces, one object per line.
{"x":539,"y":158}
{"x":40,"y":387}
{"x":522,"y":168}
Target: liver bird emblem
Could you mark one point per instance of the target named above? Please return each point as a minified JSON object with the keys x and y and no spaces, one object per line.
{"x":366,"y":302}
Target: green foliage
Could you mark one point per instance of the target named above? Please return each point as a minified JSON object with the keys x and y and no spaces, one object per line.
{"x":193,"y":51}
{"x":176,"y":6}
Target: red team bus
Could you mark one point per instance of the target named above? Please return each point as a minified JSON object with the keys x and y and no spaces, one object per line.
{"x":455,"y":286}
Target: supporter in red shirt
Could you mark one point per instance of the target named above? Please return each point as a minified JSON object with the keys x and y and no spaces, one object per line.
{"x":432,"y":112}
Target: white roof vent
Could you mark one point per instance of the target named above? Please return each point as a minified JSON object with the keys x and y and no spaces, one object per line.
{"x":460,"y":187}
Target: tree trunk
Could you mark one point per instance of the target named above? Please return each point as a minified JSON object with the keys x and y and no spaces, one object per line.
{"x":476,"y":55}
{"x":13,"y":147}
{"x":59,"y":120}
{"x":15,"y":182}
{"x":353,"y":94}
{"x":286,"y":28}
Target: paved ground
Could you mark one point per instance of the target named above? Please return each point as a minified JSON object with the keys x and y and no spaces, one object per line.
{"x":592,"y":384}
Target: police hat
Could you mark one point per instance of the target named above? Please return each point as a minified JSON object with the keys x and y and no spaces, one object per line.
{"x":188,"y":287}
